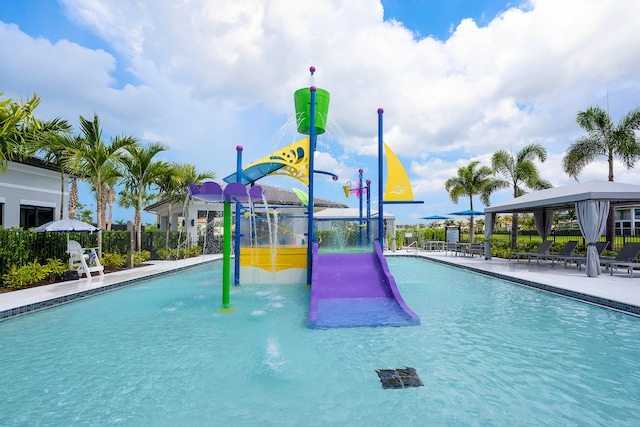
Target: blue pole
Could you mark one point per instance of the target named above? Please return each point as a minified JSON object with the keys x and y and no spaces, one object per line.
{"x":312,"y":150}
{"x":360,"y":203}
{"x":236,"y":270}
{"x":380,"y":192}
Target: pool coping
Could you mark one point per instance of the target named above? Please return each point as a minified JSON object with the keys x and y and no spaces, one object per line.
{"x":116,"y":283}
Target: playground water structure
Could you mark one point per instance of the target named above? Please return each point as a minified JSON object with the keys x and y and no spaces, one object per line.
{"x":488,"y":352}
{"x":281,"y":263}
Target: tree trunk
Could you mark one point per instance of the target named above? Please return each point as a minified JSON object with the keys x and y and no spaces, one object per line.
{"x":99,"y":213}
{"x":62,"y":193}
{"x":111,"y":199}
{"x":138,"y":220}
{"x":73,"y":199}
{"x":514,"y":230}
{"x":138,"y":227}
{"x":166,"y":243}
{"x":611,"y":228}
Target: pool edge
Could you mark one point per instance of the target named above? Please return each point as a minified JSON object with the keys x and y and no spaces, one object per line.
{"x":623,"y":307}
{"x":16,"y":312}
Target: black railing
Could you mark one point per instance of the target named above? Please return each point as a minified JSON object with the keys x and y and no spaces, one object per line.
{"x":18,"y":247}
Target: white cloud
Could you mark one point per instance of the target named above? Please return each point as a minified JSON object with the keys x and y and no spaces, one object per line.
{"x":212,"y":75}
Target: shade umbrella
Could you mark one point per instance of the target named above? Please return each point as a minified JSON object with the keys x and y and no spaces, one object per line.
{"x":435,"y":219}
{"x":66,"y":226}
{"x":468,"y":212}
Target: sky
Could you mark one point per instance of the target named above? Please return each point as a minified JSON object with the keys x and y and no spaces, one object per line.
{"x":457,"y":79}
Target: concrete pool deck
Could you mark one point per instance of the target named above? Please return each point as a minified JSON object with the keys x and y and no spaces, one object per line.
{"x":619,"y":292}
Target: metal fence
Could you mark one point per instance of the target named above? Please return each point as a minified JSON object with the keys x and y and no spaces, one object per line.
{"x":418,"y":237}
{"x":19,"y":247}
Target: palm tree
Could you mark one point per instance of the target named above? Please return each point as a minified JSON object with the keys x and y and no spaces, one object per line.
{"x":52,"y":142}
{"x":111,"y":178}
{"x":168,"y":185}
{"x":470,"y":182}
{"x":604,"y":139}
{"x":186,"y":174}
{"x":520,"y":172}
{"x":129,"y":199}
{"x":92,"y":157}
{"x":18,"y":128}
{"x":140,"y":172}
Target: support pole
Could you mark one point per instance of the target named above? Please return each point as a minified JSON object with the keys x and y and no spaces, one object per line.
{"x":236,"y":270}
{"x":380,"y":185}
{"x":312,"y":150}
{"x":360,"y":222}
{"x":226,"y":256}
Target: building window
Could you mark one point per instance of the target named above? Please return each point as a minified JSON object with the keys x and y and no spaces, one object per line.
{"x":34,"y":216}
{"x":1,"y":214}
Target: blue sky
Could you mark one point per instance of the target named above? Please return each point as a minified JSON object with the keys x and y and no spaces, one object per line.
{"x":458,"y":79}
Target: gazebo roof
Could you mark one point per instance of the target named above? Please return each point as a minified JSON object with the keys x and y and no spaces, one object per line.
{"x":565,"y":197}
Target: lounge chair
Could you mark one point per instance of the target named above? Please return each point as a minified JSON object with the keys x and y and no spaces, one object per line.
{"x":580,"y":259}
{"x":569,"y":247}
{"x":626,"y":258}
{"x":543,"y":249}
{"x":83,"y":260}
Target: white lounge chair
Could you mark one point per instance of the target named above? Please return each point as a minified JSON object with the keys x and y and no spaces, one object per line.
{"x":83,"y":260}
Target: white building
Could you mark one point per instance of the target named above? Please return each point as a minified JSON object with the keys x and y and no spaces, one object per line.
{"x":628,"y":221}
{"x":31,"y":194}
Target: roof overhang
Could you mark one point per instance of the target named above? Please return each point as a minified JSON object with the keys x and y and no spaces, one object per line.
{"x":565,"y":197}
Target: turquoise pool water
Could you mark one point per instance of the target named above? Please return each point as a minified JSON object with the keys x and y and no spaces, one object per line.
{"x":159,"y":353}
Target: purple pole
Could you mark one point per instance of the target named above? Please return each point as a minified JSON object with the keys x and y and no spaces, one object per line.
{"x":236,"y":270}
{"x":380,"y":192}
{"x":368,"y":212}
{"x":360,"y":203}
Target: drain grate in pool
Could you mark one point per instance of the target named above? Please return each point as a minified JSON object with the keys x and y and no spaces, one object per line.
{"x":399,"y":378}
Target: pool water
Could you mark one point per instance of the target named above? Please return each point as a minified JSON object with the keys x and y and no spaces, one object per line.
{"x":161,"y":353}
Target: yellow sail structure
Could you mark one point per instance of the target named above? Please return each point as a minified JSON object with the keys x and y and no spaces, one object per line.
{"x":398,"y":187}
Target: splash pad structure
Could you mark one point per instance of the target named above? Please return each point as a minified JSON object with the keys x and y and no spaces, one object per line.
{"x":348,"y":289}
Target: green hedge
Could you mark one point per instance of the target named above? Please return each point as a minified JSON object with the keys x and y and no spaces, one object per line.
{"x":19,"y":248}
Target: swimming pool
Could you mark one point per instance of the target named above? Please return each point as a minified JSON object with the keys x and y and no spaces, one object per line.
{"x":159,"y":353}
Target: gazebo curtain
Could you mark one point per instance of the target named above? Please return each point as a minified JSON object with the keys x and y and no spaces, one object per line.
{"x":543,"y":221}
{"x":489,"y":221}
{"x":592,"y":220}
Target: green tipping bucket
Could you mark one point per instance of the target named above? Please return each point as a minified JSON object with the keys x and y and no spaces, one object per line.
{"x":302,"y":100}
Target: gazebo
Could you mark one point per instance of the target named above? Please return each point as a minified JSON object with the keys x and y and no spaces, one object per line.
{"x":591,"y":201}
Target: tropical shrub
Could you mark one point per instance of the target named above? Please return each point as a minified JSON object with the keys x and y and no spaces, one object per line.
{"x":55,"y":268}
{"x":113,"y":260}
{"x":140,"y":257}
{"x":500,"y":249}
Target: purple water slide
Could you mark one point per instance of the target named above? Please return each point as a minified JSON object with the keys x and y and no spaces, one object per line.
{"x":355,"y":289}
